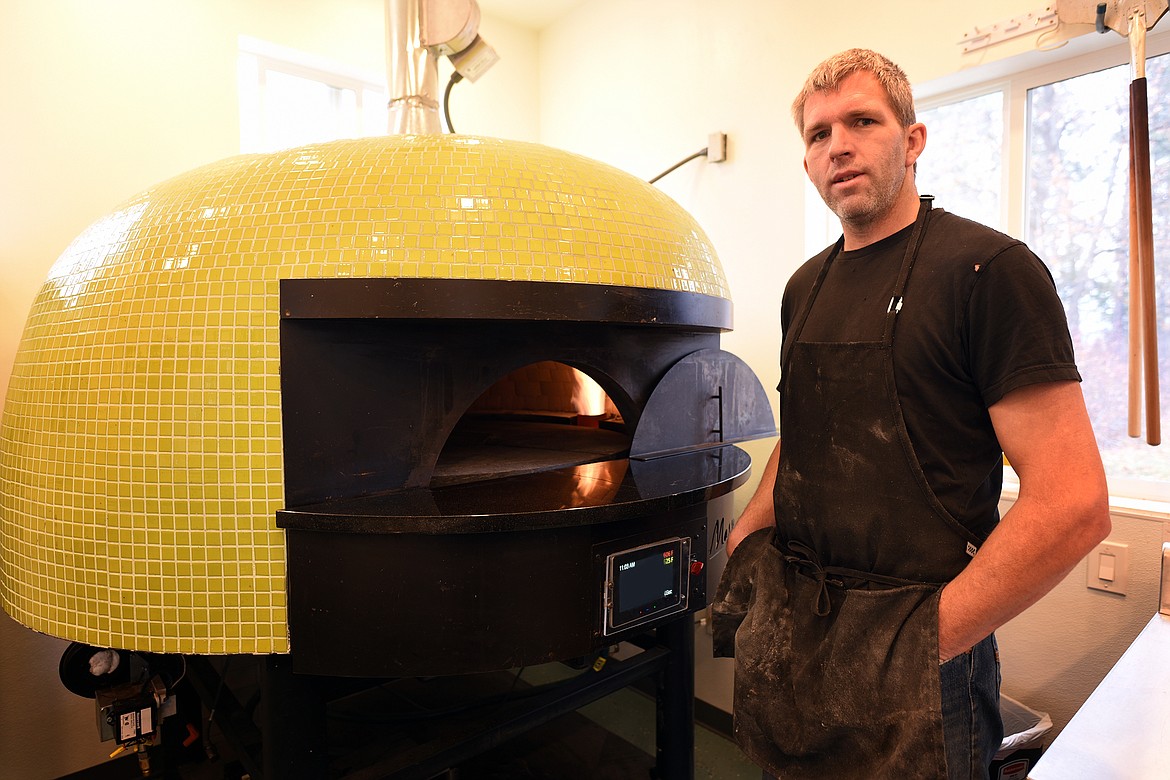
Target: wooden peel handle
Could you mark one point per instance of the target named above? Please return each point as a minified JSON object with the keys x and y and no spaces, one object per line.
{"x":1134,"y":426}
{"x":1145,"y":239}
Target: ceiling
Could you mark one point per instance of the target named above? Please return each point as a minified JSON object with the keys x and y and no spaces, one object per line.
{"x":529,"y":13}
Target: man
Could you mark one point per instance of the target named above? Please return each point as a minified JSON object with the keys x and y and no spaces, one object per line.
{"x":870,"y":568}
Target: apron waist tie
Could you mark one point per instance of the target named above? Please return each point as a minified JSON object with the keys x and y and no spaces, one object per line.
{"x":805,"y":558}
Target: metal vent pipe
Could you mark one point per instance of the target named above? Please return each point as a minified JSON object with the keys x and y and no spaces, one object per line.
{"x":412,"y":72}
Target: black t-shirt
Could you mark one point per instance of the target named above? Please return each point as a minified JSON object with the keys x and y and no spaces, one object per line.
{"x":980,"y":317}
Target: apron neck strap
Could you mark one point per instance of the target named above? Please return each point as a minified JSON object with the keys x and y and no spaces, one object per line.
{"x":798,"y":325}
{"x":912,"y":247}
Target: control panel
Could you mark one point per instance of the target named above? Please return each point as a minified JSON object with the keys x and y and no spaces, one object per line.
{"x":645,"y":583}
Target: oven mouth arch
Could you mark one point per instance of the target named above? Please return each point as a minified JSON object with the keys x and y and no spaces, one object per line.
{"x":536,"y":417}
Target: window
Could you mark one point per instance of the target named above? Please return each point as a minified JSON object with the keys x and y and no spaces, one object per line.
{"x":1077,"y":219}
{"x":289,"y":99}
{"x":962,"y":165}
{"x":1063,"y":188}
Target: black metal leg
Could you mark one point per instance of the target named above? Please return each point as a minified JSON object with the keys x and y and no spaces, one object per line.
{"x":676,"y":702}
{"x":293,"y":723}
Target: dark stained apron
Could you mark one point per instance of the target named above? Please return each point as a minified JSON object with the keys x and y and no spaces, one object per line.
{"x":832,"y":615}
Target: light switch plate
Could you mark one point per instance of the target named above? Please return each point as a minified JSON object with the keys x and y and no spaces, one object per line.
{"x":1120,"y":561}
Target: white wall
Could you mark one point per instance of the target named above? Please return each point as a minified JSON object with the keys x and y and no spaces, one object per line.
{"x":640,"y":84}
{"x":102,"y":100}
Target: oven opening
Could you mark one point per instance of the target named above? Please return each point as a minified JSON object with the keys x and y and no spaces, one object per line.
{"x":543,"y":416}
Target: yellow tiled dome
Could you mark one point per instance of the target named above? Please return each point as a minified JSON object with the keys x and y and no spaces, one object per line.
{"x":140,"y":452}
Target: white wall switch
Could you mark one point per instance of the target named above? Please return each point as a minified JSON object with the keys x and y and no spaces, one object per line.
{"x":1108,"y":568}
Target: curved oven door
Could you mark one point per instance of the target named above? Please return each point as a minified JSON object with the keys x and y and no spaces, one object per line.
{"x":710,"y":398}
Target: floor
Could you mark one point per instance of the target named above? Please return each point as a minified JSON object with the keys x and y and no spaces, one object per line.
{"x":610,"y":739}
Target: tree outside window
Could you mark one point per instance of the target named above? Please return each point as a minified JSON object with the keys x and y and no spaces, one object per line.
{"x":962,"y":164}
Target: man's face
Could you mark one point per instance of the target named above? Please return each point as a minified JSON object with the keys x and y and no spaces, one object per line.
{"x":856,"y":151}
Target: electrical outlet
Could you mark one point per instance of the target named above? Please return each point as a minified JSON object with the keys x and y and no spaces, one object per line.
{"x":1109,"y":568}
{"x":717,"y":147}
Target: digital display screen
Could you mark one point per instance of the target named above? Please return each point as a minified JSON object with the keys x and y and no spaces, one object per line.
{"x":647,"y":582}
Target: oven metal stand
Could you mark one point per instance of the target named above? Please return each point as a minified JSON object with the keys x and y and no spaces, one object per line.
{"x":676,"y":701}
{"x":293,"y":722}
{"x":291,"y":742}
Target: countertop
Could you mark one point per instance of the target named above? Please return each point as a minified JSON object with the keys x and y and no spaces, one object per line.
{"x":1123,"y":730}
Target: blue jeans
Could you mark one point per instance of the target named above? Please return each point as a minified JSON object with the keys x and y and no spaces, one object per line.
{"x":972,"y":727}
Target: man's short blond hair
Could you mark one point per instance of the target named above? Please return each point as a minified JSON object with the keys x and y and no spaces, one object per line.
{"x":827,"y":77}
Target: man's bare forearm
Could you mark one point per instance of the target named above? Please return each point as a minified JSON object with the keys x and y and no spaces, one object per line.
{"x":1062,"y":512}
